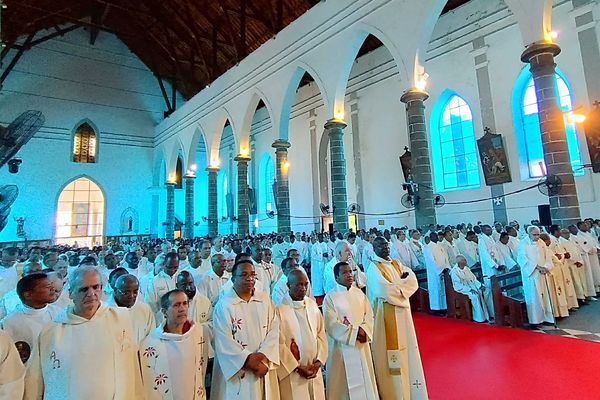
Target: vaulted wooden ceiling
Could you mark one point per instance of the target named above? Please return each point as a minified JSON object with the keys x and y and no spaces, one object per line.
{"x":189,"y":42}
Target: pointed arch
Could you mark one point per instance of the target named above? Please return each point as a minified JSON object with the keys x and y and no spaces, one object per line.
{"x":224,"y":121}
{"x":527,"y":125}
{"x":453,"y":144}
{"x":80,"y":212}
{"x":197,"y":144}
{"x":290,"y":96}
{"x":85,"y":142}
{"x":245,"y":129}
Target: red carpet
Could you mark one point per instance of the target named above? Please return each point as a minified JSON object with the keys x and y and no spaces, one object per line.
{"x":464,"y":360}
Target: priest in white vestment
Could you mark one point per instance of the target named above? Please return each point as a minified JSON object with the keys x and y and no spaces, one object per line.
{"x":8,"y":270}
{"x":160,"y":284}
{"x":590,"y":246}
{"x":264,"y":273}
{"x":280,"y":289}
{"x":561,"y":264}
{"x":450,"y":246}
{"x":534,"y":268}
{"x":349,"y":327}
{"x":492,"y":262}
{"x":33,"y":313}
{"x":174,"y":356}
{"x":468,"y":247}
{"x":210,"y":283}
{"x":417,"y":247}
{"x":11,"y":300}
{"x":319,"y":255}
{"x":401,"y":250}
{"x":395,"y":349}
{"x":555,"y":279}
{"x":582,"y":244}
{"x":342,"y":253}
{"x":12,"y":371}
{"x":575,"y":263}
{"x":246,"y":331}
{"x":125,"y":297}
{"x":304,"y":343}
{"x":505,"y":252}
{"x":200,"y":307}
{"x":78,"y":352}
{"x":436,"y":261}
{"x":465,"y":282}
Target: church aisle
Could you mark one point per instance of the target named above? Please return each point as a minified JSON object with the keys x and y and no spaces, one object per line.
{"x":463,"y":360}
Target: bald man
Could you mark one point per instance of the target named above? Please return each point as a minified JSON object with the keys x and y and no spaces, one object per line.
{"x":304,"y":348}
{"x":125,"y":295}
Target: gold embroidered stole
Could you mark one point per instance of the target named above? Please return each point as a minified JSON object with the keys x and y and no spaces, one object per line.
{"x":389,"y":323}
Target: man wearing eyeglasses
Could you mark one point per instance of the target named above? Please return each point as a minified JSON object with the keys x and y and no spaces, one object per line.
{"x":246,"y":330}
{"x":81,"y":348}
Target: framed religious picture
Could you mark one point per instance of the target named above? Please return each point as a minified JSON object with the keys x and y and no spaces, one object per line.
{"x":592,"y":136}
{"x":405,"y":163}
{"x":493,"y":158}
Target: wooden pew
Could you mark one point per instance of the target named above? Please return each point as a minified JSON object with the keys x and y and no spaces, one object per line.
{"x":459,"y":305}
{"x":419,"y":301}
{"x":509,"y":299}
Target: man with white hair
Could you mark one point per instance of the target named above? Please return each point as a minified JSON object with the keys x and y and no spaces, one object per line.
{"x":465,"y":282}
{"x":535,"y":286}
{"x":342,"y":254}
{"x":81,"y":348}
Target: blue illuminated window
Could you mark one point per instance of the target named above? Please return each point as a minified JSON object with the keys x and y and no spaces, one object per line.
{"x":267,"y":178}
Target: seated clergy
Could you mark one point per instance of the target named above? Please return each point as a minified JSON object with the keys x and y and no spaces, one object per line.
{"x":174,"y":356}
{"x":246,"y":332}
{"x":32,"y":314}
{"x":12,"y":371}
{"x":78,"y":352}
{"x":126,"y":290}
{"x":349,"y":327}
{"x":304,"y":342}
{"x":465,"y":282}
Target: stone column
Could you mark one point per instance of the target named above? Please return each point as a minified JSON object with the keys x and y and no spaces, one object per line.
{"x":243,"y":212}
{"x":213,"y":216}
{"x":170,"y":227}
{"x":314,"y":162}
{"x":564,"y":207}
{"x":189,"y":206}
{"x":339,"y":197}
{"x":419,"y":148}
{"x":486,"y":105}
{"x":284,"y":225}
{"x":358,"y":175}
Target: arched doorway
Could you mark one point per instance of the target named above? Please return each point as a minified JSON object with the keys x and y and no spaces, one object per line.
{"x":80,"y":214}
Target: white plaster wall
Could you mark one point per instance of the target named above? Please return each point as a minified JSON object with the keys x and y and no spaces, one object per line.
{"x":69,"y":81}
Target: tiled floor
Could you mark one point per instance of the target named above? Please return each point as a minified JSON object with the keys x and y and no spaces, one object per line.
{"x":581,"y":324}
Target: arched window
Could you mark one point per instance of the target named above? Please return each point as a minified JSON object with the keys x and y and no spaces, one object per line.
{"x":267,"y":179}
{"x":84,"y":144}
{"x":528,"y":126}
{"x":453,"y":144}
{"x":80,"y":214}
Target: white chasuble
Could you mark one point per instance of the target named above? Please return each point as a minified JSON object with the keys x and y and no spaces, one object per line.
{"x":350,"y":372}
{"x":395,"y":349}
{"x":465,"y":282}
{"x":174,"y":365}
{"x":535,"y":285}
{"x":302,"y":322}
{"x":241,"y":328}
{"x":76,"y":358}
{"x":436,"y":260}
{"x":141,"y":315}
{"x":12,"y":371}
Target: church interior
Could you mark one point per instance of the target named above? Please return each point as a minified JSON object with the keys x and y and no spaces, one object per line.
{"x":128,"y":123}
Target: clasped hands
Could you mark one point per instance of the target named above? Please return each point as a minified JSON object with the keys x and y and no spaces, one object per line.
{"x":258,"y":363}
{"x":309,"y":371}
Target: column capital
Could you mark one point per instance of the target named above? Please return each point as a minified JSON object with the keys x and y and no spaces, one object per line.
{"x":186,"y":176}
{"x":212,"y":169}
{"x":335,"y":123}
{"x":536,"y":49}
{"x":281,"y":144}
{"x":168,"y":183}
{"x":242,"y":158}
{"x":413,"y":94}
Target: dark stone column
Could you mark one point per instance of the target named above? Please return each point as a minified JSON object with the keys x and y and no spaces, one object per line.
{"x":170,"y":229}
{"x":564,"y":207}
{"x":420,"y":163}
{"x":213,"y":217}
{"x":283,"y":188}
{"x":189,"y":206}
{"x":243,"y":223}
{"x":339,"y":197}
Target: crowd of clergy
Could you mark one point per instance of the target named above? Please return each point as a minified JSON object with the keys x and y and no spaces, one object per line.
{"x":266,"y":316}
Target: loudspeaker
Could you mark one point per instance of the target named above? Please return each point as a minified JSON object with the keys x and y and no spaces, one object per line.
{"x":544,"y":214}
